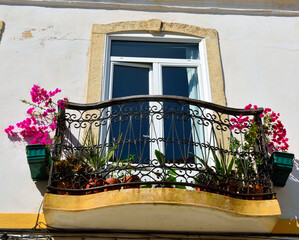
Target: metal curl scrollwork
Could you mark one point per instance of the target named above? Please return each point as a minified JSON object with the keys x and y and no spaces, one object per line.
{"x":158,"y":141}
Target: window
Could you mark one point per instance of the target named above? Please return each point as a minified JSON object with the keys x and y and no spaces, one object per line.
{"x":106,"y":70}
{"x":147,"y":65}
{"x":167,"y":65}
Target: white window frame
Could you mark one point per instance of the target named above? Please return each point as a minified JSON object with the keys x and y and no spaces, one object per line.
{"x":201,"y":63}
{"x":155,"y":75}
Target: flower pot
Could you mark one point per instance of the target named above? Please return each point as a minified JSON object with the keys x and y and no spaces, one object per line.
{"x":282,"y":165}
{"x":111,"y":181}
{"x":38,"y":157}
{"x":130,"y":179}
{"x":94,"y":183}
{"x":202,"y":189}
{"x":256,"y":189}
{"x":68,"y":185}
{"x":232,"y":185}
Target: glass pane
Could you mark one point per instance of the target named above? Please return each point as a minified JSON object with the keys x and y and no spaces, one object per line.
{"x":128,"y":81}
{"x":178,"y":130}
{"x":131,"y":120}
{"x":180,"y":81}
{"x":154,"y":49}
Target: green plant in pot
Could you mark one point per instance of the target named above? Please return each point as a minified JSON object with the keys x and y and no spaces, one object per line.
{"x":222,"y":174}
{"x":128,"y":175}
{"x":275,"y":139}
{"x":167,"y":174}
{"x":97,"y":158}
{"x":37,"y":129}
{"x":69,"y":173}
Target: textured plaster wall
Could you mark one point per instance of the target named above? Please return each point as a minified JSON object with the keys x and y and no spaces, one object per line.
{"x":50,"y":47}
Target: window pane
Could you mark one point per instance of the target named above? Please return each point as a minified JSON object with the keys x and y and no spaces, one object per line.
{"x":179,"y":81}
{"x":128,"y":81}
{"x":154,"y":49}
{"x":130,"y":120}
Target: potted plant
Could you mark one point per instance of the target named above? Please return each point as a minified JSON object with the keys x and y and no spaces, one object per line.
{"x":96,"y":159}
{"x":36,"y":129}
{"x":220,"y":176}
{"x":282,"y":165}
{"x":167,"y":174}
{"x":126,"y":165}
{"x":38,"y":157}
{"x":276,"y":142}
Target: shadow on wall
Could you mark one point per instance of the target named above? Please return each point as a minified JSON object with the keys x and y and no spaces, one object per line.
{"x":42,"y":186}
{"x":288,"y":198}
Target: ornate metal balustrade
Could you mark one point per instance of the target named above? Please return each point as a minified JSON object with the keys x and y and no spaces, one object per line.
{"x":159,"y":141}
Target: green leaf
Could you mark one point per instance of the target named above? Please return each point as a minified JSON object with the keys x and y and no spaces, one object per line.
{"x":207,"y":167}
{"x":230,"y":165}
{"x":219,"y":167}
{"x":172,"y":172}
{"x":159,"y":156}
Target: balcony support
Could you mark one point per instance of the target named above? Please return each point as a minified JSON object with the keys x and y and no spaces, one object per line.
{"x":161,"y":209}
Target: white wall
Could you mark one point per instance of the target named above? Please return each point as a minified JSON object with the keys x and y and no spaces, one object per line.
{"x":50,"y":46}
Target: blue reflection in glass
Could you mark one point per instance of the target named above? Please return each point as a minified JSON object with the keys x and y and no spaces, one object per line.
{"x":154,"y":49}
{"x":177,"y":124}
{"x":133,"y":125}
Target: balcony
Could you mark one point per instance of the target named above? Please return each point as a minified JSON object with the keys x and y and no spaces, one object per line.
{"x":143,"y":162}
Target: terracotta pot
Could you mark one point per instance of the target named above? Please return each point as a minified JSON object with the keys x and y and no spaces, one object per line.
{"x":129,"y":179}
{"x":68,"y":185}
{"x":256,"y":189}
{"x":111,"y":181}
{"x":94,"y":183}
{"x":202,"y":189}
{"x":232,"y":185}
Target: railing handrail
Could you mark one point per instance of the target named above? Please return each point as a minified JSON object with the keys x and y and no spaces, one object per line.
{"x":163,"y":98}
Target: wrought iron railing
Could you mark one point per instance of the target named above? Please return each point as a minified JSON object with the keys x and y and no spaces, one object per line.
{"x":159,"y":141}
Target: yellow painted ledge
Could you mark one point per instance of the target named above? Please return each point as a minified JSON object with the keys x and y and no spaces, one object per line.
{"x":20,"y":220}
{"x":157,"y":209}
{"x":286,"y":226}
{"x":171,"y":196}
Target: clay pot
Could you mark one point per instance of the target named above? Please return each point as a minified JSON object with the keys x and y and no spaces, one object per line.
{"x":94,"y":183}
{"x":253,"y":189}
{"x":68,"y":185}
{"x":232,"y":186}
{"x":111,"y":181}
{"x":202,"y":189}
{"x":256,"y":189}
{"x":129,"y":179}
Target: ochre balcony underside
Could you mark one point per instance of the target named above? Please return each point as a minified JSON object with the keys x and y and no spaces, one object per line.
{"x":160,"y":209}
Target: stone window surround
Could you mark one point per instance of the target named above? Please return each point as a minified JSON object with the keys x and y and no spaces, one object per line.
{"x":99,"y":32}
{"x":1,"y":28}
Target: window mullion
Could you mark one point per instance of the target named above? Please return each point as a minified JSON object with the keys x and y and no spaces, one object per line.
{"x":157,"y":127}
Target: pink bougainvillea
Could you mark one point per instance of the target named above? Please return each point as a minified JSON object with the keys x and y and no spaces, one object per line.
{"x":42,"y":120}
{"x":274,"y":130}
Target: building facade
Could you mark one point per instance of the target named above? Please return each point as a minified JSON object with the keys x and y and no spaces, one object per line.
{"x":235,"y":53}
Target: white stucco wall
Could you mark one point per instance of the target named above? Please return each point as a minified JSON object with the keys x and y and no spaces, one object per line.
{"x":50,"y":46}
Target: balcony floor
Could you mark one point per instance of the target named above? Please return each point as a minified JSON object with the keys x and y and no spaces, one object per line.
{"x":160,"y":209}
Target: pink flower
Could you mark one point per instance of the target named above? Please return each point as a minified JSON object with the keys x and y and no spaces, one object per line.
{"x":62,"y":103}
{"x":30,"y":110}
{"x":248,"y":106}
{"x":52,"y":126}
{"x":273,"y":128}
{"x":9,"y":130}
{"x":42,"y":120}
